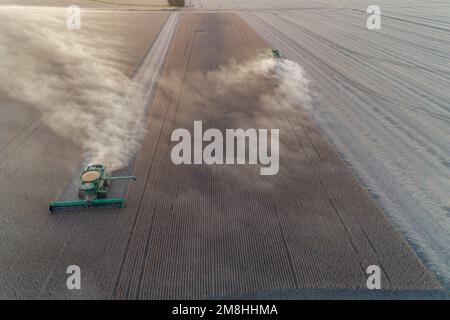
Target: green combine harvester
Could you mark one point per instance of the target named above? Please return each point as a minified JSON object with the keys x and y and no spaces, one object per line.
{"x":93,"y":192}
{"x":277,"y":54}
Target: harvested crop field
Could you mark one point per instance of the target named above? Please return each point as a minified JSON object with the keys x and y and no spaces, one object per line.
{"x":381,"y":99}
{"x":187,"y":231}
{"x":208,"y":231}
{"x":38,"y":163}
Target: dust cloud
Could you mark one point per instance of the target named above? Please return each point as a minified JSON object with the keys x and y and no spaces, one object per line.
{"x":74,"y":81}
{"x":288,"y":80}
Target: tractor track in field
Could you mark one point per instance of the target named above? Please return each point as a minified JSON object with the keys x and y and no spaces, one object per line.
{"x":147,"y":246}
{"x":14,"y":144}
{"x":169,"y":23}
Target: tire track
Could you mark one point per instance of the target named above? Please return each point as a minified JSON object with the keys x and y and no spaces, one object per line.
{"x":15,"y":143}
{"x":159,"y":49}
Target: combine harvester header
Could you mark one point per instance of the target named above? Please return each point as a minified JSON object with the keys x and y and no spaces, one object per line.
{"x":93,"y":191}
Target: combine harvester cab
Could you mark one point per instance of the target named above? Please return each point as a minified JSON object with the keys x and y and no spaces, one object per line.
{"x":93,"y":191}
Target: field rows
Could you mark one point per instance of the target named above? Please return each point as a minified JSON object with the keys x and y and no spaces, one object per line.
{"x":381,"y":98}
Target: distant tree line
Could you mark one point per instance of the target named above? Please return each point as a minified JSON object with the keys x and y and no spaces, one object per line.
{"x":176,"y":3}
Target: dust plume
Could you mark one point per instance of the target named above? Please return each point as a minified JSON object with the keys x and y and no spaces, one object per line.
{"x":287,"y":78}
{"x":276,"y":84}
{"x":74,"y":81}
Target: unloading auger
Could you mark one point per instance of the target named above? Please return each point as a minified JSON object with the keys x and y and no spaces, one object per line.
{"x":93,"y":192}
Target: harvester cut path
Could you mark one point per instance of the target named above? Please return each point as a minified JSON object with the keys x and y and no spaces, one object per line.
{"x":93,"y":191}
